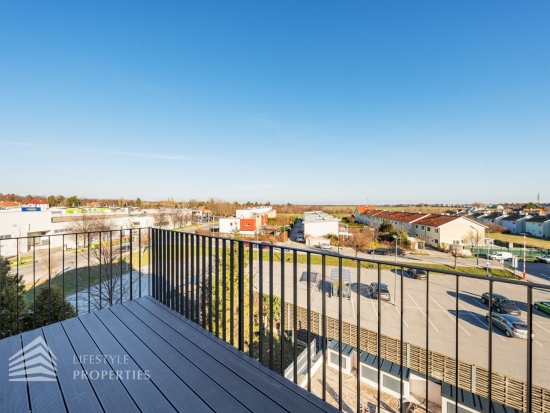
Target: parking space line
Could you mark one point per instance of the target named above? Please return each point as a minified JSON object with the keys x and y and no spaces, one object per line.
{"x":535,"y":341}
{"x":545,"y":276}
{"x":483,"y":323}
{"x":443,"y":279}
{"x":450,"y":316}
{"x":352,"y":308}
{"x":422,"y":311}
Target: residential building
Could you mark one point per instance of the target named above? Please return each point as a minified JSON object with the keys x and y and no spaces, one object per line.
{"x":515,"y":223}
{"x":319,"y":224}
{"x":494,"y":218}
{"x":360,"y":210}
{"x":9,"y":205}
{"x":433,"y":229}
{"x":538,"y":226}
{"x":36,"y":203}
{"x":248,"y":221}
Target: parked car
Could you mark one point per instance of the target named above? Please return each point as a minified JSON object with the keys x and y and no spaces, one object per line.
{"x":501,"y":304}
{"x":543,"y":306}
{"x":384,"y":292}
{"x":266,"y":245}
{"x":400,"y":252}
{"x":379,"y":251}
{"x":501,"y":255}
{"x":511,"y":325}
{"x":417,"y":274}
{"x":299,"y":238}
{"x":545,"y":259}
{"x":326,"y":246}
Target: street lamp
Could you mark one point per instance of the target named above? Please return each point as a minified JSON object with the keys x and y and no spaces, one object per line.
{"x":395,"y":273}
{"x":477,"y":242}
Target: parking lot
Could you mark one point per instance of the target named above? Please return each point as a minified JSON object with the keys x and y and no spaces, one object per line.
{"x":509,"y":354}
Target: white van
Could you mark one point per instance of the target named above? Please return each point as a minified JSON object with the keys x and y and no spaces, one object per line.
{"x":501,"y":256}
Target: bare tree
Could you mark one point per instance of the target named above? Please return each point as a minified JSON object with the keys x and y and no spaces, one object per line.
{"x":359,"y":241}
{"x":473,"y":239}
{"x":160,"y":218}
{"x":455,"y":252}
{"x":89,"y":223}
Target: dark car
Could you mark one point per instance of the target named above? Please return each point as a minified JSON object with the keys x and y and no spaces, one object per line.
{"x":384,"y":292}
{"x":501,"y":304}
{"x":400,"y":252}
{"x":379,"y":251}
{"x":417,"y":274}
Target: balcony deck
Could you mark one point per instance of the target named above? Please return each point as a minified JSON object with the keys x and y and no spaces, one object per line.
{"x":189,"y":369}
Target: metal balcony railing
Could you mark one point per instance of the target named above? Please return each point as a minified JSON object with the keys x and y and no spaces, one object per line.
{"x":312,"y":316}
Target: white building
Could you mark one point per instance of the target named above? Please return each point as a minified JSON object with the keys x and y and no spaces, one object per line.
{"x":46,"y":227}
{"x":515,"y":223}
{"x":319,"y":224}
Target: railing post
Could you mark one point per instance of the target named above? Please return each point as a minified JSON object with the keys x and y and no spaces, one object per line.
{"x":241,"y":295}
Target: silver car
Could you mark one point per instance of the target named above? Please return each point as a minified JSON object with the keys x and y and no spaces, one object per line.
{"x":511,"y":325}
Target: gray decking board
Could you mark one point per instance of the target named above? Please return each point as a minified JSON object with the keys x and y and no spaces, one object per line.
{"x":45,"y":396}
{"x":173,"y":388}
{"x":8,"y":347}
{"x":220,"y":346}
{"x":255,"y":378}
{"x":59,"y":344}
{"x":206,"y":388}
{"x":190,"y":369}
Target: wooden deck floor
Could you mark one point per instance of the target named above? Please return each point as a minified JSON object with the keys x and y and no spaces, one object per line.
{"x":140,"y":356}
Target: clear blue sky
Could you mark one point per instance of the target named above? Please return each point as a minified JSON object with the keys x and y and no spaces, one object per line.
{"x":315,"y":102}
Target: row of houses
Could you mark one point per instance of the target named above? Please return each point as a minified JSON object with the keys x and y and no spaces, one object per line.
{"x":433,"y":229}
{"x":537,"y":225}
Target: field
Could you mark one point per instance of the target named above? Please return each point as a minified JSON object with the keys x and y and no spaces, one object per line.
{"x":518,"y":239}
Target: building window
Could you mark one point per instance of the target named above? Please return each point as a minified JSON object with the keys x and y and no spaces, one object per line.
{"x":246,"y":225}
{"x":436,"y":241}
{"x":391,"y":383}
{"x":369,"y":374}
{"x":422,"y":227}
{"x":416,"y":226}
{"x":451,"y":408}
{"x":429,"y":229}
{"x":436,"y":230}
{"x":334,"y":359}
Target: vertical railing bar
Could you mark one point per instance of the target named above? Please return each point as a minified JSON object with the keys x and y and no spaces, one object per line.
{"x":131,"y":267}
{"x":232,"y":295}
{"x":224,"y":289}
{"x":18,"y":275}
{"x":340,"y":328}
{"x":358,"y":352}
{"x":427,"y":336}
{"x":240,"y":246}
{"x":62,"y":273}
{"x":76,"y":275}
{"x":456,"y":342}
{"x":261,"y":301}
{"x":176,"y":277}
{"x":121,"y":236}
{"x":110,"y":289}
{"x":401,"y":292}
{"x":251,"y":301}
{"x":186,"y":240}
{"x":89,"y":275}
{"x":529,"y":349}
{"x":100,"y":267}
{"x":490,"y":382}
{"x":203,"y":289}
{"x":194,"y":279}
{"x":295,"y":314}
{"x":34,"y":286}
{"x":283,"y":314}
{"x":308,"y":322}
{"x":271,"y":307}
{"x":149,"y":258}
{"x":139,"y":262}
{"x":217,"y":289}
{"x":200,"y":245}
{"x":378,"y":338}
{"x":209,"y":284}
{"x":324,"y":322}
{"x":181,"y":272}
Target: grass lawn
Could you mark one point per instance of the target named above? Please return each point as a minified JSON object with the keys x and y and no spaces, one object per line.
{"x":518,"y":239}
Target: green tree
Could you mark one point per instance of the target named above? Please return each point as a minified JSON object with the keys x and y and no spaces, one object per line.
{"x":52,"y":201}
{"x":12,"y":300}
{"x":531,"y":205}
{"x":386,"y":226}
{"x":48,"y":308}
{"x":138,"y":202}
{"x":73,"y":201}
